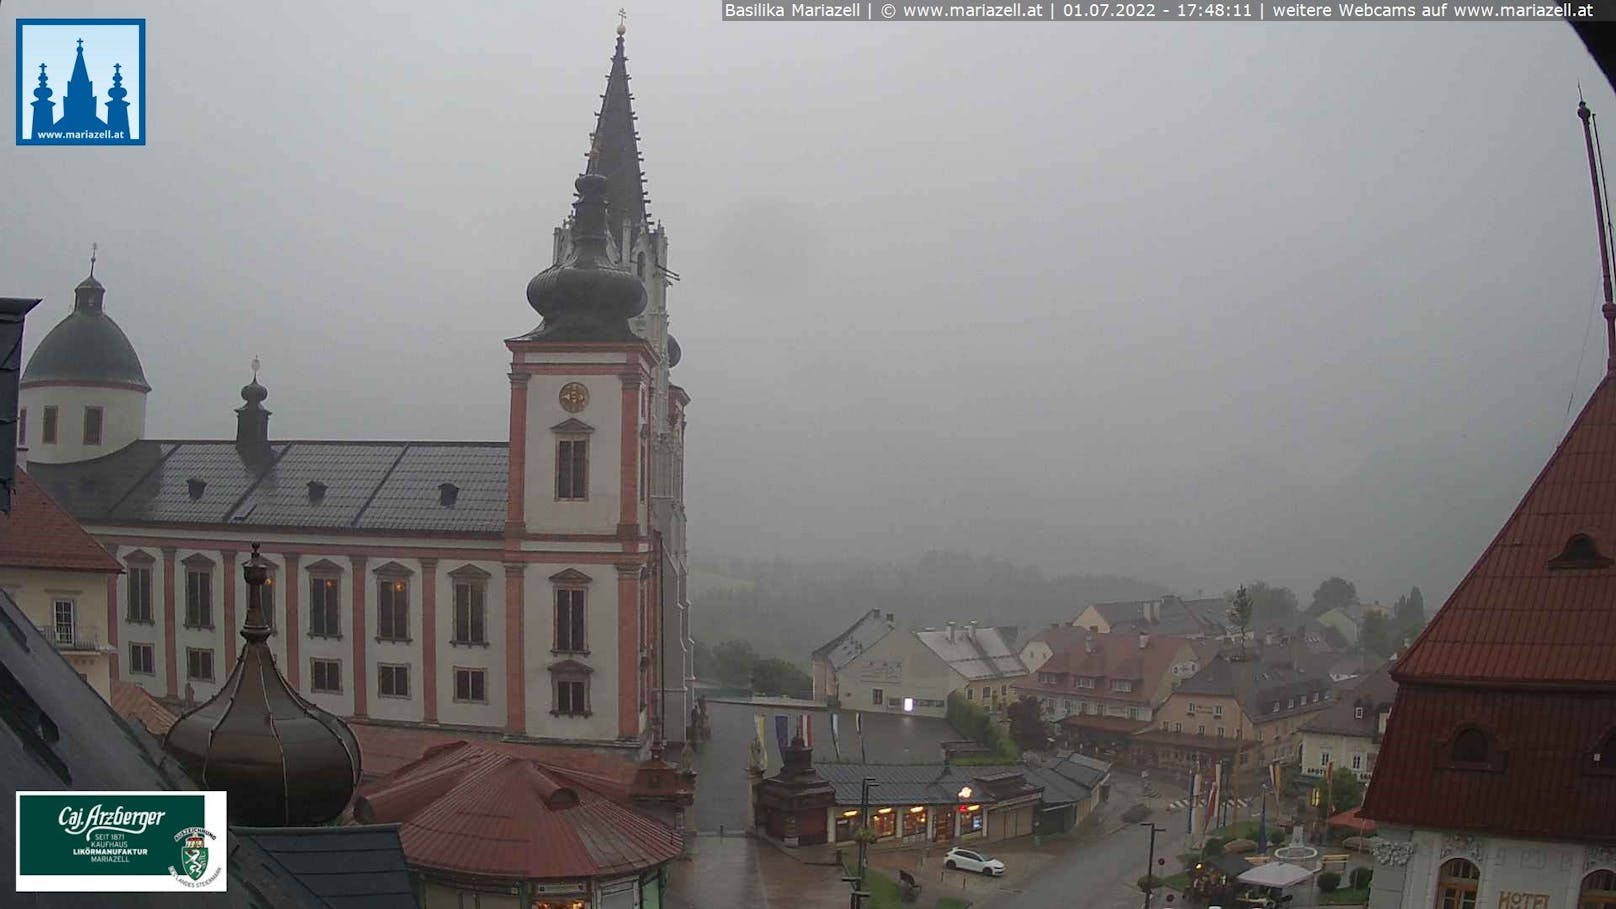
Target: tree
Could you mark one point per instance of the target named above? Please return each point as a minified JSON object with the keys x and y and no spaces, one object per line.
{"x":702,"y":659}
{"x":1027,"y":724}
{"x":1271,"y":606}
{"x":732,"y":663}
{"x":1346,"y":790}
{"x":774,"y":676}
{"x":1334,"y":593}
{"x":1376,"y":635}
{"x":1409,"y":617}
{"x":1240,"y":607}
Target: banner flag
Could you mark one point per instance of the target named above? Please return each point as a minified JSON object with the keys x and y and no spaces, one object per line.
{"x":1195,"y":789}
{"x":762,"y":741}
{"x":835,"y":733}
{"x":782,"y":733}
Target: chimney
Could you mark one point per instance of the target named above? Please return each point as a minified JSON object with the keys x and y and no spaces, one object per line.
{"x":196,"y":487}
{"x":892,"y":621}
{"x":447,"y":494}
{"x":951,"y":631}
{"x":1144,"y":640}
{"x":316,"y":492}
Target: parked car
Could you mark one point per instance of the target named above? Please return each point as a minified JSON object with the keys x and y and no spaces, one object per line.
{"x":966,"y":860}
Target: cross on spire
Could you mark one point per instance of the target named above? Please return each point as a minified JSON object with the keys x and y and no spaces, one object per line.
{"x":93,"y":248}
{"x":81,"y":45}
{"x":255,"y":368}
{"x":622,"y":20}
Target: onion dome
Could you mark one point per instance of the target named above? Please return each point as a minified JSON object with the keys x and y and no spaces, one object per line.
{"x":284,"y":761}
{"x":586,"y":297}
{"x":87,"y":346}
{"x":252,"y":420}
{"x":674,"y":352}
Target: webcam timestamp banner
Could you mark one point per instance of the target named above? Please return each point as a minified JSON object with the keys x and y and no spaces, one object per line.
{"x":1172,"y":11}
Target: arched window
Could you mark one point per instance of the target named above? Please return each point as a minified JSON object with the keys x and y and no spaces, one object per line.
{"x":1598,"y":891}
{"x":1470,"y":746}
{"x":1456,"y":885}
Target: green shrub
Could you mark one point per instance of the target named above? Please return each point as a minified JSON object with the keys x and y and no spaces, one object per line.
{"x":1329,"y":881}
{"x":1213,"y":846}
{"x":1240,"y":847}
{"x":1148,"y":883}
{"x":1361,"y":877}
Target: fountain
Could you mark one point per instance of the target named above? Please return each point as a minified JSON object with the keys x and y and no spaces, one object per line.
{"x":1297,"y":852}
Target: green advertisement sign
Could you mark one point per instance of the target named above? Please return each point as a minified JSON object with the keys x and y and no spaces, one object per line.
{"x":111,"y":840}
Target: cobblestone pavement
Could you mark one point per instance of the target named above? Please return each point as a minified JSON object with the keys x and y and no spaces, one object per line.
{"x":738,"y":872}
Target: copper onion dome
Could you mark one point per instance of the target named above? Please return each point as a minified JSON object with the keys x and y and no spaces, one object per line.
{"x":284,"y":761}
{"x":587,"y":297}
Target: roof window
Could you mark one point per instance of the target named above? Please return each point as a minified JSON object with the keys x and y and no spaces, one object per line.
{"x":1580,"y":552}
{"x":196,"y":487}
{"x":1470,"y":746}
{"x":447,"y":494}
{"x":316,"y":492}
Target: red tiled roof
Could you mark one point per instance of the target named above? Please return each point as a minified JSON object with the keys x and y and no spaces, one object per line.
{"x":385,"y":749}
{"x":1525,"y":651}
{"x":1115,"y":656}
{"x":1543,"y":785}
{"x":38,"y":533}
{"x":1105,"y":723}
{"x":476,"y":808}
{"x":132,"y":702}
{"x":1515,"y":619}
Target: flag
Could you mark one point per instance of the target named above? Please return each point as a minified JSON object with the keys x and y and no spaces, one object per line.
{"x":782,"y":733}
{"x":762,"y":741}
{"x":1213,"y":793}
{"x":835,"y":732}
{"x":858,"y":723}
{"x":1195,"y":789}
{"x":805,"y":728}
{"x":1329,"y":788}
{"x":1276,"y":776}
{"x":1262,"y":827}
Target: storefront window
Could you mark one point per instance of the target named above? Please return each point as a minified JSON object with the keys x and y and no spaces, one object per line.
{"x":914,"y":822}
{"x":885,"y":823}
{"x":943,"y":829}
{"x":971,"y":819}
{"x":846,"y":825}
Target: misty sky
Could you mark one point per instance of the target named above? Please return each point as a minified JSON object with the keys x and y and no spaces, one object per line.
{"x":1200,"y":303}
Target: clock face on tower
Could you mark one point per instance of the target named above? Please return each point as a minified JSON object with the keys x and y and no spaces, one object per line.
{"x":574,"y":397}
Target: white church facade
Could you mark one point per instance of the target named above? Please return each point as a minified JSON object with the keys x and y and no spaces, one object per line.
{"x":532,"y":587}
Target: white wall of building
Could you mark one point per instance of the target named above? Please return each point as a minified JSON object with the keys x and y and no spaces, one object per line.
{"x":898,"y":666}
{"x":1533,"y":874}
{"x":123,"y":420}
{"x":543,"y":512}
{"x":1351,"y":752}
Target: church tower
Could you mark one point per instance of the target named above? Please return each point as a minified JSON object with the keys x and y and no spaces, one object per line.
{"x":79,"y":112}
{"x":83,"y":393}
{"x":638,"y":244}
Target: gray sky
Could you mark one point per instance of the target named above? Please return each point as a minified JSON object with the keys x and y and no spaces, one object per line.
{"x":1201,"y":303}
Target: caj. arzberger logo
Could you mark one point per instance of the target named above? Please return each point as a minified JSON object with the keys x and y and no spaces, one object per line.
{"x":60,"y":65}
{"x":118,"y":841}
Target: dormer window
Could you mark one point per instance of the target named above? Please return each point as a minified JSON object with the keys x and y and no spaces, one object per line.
{"x":1470,"y":746}
{"x":1580,"y":552}
{"x":316,"y":492}
{"x":196,"y":487}
{"x":447,"y":494}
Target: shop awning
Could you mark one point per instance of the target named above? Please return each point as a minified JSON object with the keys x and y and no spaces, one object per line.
{"x":1276,"y":874}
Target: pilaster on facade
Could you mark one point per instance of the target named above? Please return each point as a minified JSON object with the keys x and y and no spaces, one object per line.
{"x":628,"y":653}
{"x":516,"y":497}
{"x":361,"y":670}
{"x":291,"y":619}
{"x":227,"y":557}
{"x":515,"y":650}
{"x":429,"y":640}
{"x":170,"y":660}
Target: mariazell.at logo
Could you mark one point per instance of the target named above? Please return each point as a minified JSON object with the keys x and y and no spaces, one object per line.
{"x":60,"y":63}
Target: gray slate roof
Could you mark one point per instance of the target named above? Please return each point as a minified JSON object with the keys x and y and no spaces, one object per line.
{"x":346,"y":867}
{"x":1267,"y":676}
{"x":386,"y":486}
{"x":974,"y":652}
{"x":859,"y":637}
{"x":1174,"y":616}
{"x":939,"y":784}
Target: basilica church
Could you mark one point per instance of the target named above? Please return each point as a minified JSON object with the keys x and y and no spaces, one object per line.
{"x":533,"y":588}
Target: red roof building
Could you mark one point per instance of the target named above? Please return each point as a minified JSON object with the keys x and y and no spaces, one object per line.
{"x":63,"y":580}
{"x":1496,"y":777}
{"x":1102,"y":688}
{"x":485,"y":817}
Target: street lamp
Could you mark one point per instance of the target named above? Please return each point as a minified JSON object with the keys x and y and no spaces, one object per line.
{"x":1150,"y":864}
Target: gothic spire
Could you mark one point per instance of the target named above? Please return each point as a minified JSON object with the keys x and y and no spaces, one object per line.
{"x":614,"y":151}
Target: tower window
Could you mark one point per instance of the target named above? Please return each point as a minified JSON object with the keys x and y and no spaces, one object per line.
{"x":92,"y":426}
{"x":47,"y":432}
{"x":572,"y":469}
